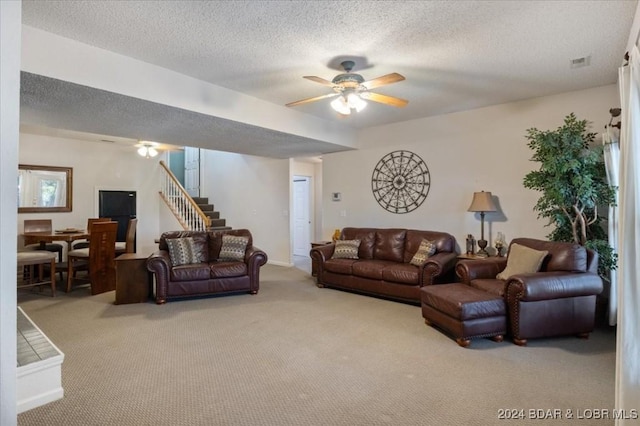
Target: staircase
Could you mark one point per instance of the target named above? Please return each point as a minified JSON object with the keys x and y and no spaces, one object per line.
{"x":215,"y":223}
{"x":194,"y":214}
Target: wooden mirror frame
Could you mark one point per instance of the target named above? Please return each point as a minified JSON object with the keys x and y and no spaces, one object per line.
{"x":68,"y":173}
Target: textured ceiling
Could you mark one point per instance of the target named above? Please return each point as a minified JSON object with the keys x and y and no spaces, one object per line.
{"x":57,"y":104}
{"x":455,"y":55}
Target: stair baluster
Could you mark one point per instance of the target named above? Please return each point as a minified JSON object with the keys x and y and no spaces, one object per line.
{"x":190,"y":215}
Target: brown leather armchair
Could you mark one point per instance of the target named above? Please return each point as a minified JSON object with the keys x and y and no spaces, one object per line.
{"x":559,"y":299}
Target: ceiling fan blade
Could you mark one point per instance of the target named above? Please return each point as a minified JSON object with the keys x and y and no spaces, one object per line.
{"x":384,"y":99}
{"x":316,"y":98}
{"x":319,"y":80}
{"x":381,"y":81}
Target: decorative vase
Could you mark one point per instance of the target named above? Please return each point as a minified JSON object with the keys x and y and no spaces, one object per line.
{"x":336,"y":235}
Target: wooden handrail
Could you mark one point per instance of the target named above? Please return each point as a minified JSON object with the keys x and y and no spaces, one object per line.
{"x":188,"y":221}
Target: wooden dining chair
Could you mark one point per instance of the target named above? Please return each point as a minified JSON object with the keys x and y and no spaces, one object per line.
{"x":98,"y":259}
{"x":33,"y":263}
{"x":85,"y":243}
{"x":128,"y":246}
{"x":32,"y":243}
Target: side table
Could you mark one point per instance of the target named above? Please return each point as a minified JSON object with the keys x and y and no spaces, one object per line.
{"x":472,"y":257}
{"x":314,"y":264}
{"x":133,"y":280}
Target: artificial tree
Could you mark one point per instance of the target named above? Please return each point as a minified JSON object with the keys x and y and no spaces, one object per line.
{"x":573,"y":182}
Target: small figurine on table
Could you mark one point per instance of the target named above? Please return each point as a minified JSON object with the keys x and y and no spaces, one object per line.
{"x":499,"y":244}
{"x":471,"y":245}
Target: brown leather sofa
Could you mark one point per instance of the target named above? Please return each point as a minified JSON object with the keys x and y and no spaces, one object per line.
{"x":209,"y":277}
{"x":383,"y":268}
{"x":558,"y":300}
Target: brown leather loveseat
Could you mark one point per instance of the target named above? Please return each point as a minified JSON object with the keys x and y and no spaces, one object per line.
{"x":210,"y":274}
{"x":559,"y":299}
{"x":383,"y":265}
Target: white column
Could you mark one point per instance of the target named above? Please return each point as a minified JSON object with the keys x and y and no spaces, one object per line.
{"x":10,"y":42}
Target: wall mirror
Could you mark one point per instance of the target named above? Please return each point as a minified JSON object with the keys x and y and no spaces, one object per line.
{"x":44,"y":189}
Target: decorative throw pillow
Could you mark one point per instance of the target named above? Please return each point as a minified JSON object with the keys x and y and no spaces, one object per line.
{"x":233,"y":248}
{"x":427,"y":249}
{"x":346,"y":249}
{"x":182,"y":251}
{"x":522,"y":260}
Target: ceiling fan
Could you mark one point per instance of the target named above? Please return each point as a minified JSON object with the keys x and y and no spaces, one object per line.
{"x":352,"y":90}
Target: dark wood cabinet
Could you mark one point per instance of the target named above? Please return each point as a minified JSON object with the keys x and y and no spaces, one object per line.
{"x":133,"y":280}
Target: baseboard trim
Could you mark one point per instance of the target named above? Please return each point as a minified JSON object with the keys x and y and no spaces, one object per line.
{"x":279,"y":263}
{"x":27,"y":404}
{"x":39,"y":382}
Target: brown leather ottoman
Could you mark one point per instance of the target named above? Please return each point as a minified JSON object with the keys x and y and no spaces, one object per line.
{"x":464,"y":311}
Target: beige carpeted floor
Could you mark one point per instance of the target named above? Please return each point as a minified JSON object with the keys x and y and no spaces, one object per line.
{"x":295,"y":354}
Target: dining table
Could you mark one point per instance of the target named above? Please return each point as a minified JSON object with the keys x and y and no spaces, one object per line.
{"x":43,"y":238}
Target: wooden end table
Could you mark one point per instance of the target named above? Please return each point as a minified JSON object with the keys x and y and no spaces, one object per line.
{"x":472,"y":257}
{"x":133,"y":280}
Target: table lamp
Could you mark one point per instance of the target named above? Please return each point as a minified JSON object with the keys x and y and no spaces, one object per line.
{"x":482,"y":202}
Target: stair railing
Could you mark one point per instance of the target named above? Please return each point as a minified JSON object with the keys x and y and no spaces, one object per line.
{"x":181,"y":204}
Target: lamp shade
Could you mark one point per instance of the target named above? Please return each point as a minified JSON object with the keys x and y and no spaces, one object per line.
{"x":482,"y":202}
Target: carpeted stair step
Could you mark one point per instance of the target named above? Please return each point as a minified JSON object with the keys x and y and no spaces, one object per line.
{"x":218,"y":228}
{"x":200,"y":200}
{"x":212,"y":214}
{"x":217,"y":224}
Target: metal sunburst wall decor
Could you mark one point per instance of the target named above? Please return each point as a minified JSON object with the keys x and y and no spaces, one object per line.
{"x":400,"y":182}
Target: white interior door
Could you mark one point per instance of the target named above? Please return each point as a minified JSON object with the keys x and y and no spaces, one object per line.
{"x":192,"y":171}
{"x":301,"y":216}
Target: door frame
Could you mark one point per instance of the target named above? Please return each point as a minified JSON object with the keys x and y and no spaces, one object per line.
{"x":309,"y":224}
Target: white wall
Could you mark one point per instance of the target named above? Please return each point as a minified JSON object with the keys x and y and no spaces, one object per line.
{"x":98,"y":166}
{"x":483,"y":149}
{"x":253,"y":193}
{"x":167,"y":220}
{"x":10,"y":18}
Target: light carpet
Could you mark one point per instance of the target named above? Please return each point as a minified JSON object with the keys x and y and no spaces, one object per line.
{"x":295,"y":354}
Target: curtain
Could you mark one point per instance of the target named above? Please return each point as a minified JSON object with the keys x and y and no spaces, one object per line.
{"x":628,"y":282}
{"x":612,"y":164}
{"x":60,"y":198}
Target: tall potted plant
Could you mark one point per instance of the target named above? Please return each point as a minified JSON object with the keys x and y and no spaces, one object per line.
{"x":573,"y":183}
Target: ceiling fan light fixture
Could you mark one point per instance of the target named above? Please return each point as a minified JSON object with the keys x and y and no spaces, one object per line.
{"x":148,"y":150}
{"x":341,"y":106}
{"x":356,"y":102}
